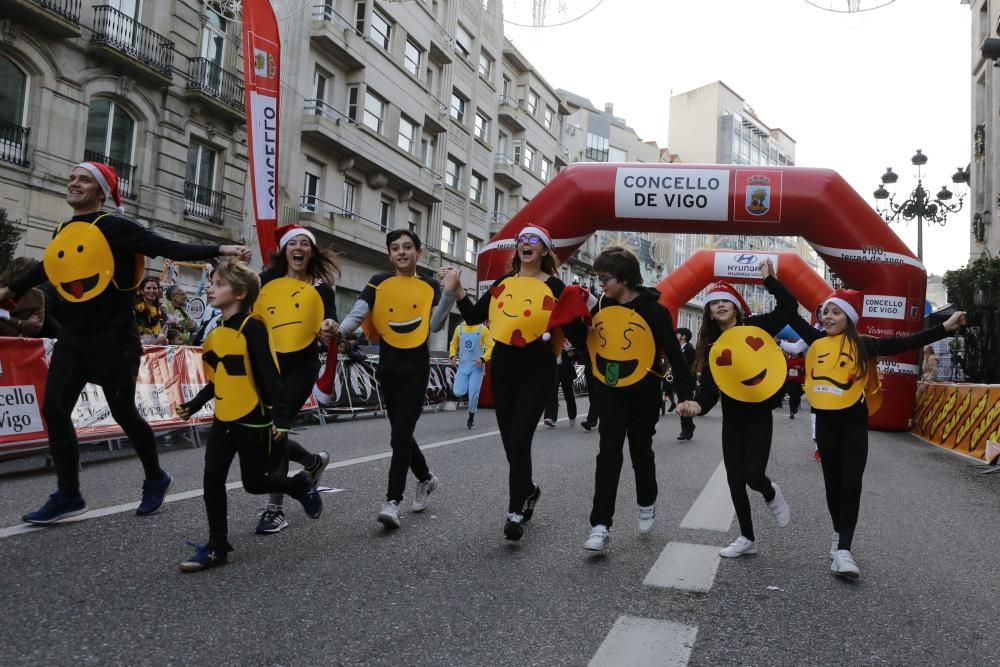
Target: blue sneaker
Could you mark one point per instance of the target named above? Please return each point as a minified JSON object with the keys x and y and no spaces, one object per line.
{"x":153,"y":493}
{"x":203,"y":558}
{"x":58,"y":508}
{"x":312,"y":501}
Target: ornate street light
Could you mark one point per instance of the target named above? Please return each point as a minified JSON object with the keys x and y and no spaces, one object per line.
{"x":920,"y":205}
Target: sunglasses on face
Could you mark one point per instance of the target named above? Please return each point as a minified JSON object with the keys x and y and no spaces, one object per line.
{"x":531,"y":239}
{"x":604,"y":279}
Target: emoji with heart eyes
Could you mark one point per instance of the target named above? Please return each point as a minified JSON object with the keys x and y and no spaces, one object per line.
{"x":832,"y":376}
{"x":292,"y":311}
{"x":402,"y":311}
{"x":747,"y":364}
{"x":520,"y":310}
{"x":621,"y":346}
{"x":227,"y":363}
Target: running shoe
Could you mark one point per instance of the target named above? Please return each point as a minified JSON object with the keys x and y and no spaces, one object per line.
{"x":203,"y":558}
{"x":422,"y":495}
{"x":389,"y":516}
{"x":528,"y":509}
{"x":58,"y":507}
{"x":513,"y":528}
{"x":272,"y":520}
{"x":317,"y":469}
{"x":598,"y":540}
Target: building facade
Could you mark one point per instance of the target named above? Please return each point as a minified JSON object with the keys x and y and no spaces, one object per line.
{"x":984,"y":199}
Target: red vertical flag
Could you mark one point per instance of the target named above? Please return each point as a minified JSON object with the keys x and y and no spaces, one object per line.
{"x":262,"y":74}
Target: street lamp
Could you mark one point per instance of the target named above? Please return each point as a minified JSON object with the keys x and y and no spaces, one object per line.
{"x":919,"y":205}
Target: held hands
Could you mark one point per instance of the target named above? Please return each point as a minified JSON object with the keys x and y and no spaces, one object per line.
{"x":688,"y":409}
{"x":766,"y":268}
{"x":277,"y":435}
{"x":328,"y":330}
{"x":240,"y":252}
{"x":956,"y":320}
{"x":452,"y":280}
{"x":183,"y":411}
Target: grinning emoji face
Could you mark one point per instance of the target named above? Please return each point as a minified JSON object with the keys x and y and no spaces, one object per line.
{"x":78,"y":262}
{"x":520,"y":309}
{"x":227,"y":366}
{"x":621,"y":346}
{"x":292,"y":311}
{"x":747,"y":364}
{"x":402,"y":311}
{"x":832,"y":381}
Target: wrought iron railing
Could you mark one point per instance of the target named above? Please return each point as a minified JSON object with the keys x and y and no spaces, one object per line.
{"x":68,"y":9}
{"x":126,"y":172}
{"x":321,"y":108}
{"x":14,"y":143}
{"x":313,"y":204}
{"x":202,"y":203}
{"x":329,"y":14}
{"x":206,"y":76}
{"x":121,"y":32}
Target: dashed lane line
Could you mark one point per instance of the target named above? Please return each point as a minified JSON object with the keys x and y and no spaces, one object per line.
{"x":645,"y":641}
{"x":689,"y":567}
{"x":713,"y":510}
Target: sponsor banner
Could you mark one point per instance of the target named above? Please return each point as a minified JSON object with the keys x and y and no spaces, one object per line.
{"x":482,"y":287}
{"x":757,"y":196}
{"x":672,"y":194}
{"x":884,"y":306}
{"x":868,"y":254}
{"x":893,"y":367}
{"x":742,"y":264}
{"x":960,"y":417}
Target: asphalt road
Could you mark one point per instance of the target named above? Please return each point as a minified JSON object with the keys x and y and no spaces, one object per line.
{"x":447,"y":589}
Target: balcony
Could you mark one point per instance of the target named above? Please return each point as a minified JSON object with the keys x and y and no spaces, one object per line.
{"x":14,"y":143}
{"x":204,"y":204}
{"x":348,"y":226}
{"x":506,"y":171}
{"x":336,"y":35}
{"x":127,"y":42}
{"x":510,"y":112}
{"x":126,"y":173}
{"x":57,"y":18}
{"x":219,"y":89}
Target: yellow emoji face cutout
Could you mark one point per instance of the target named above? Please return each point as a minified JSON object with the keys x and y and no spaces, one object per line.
{"x":78,"y":262}
{"x":227,"y":365}
{"x":832,"y":381}
{"x":621,"y":346}
{"x":402,"y":311}
{"x":520,"y":309}
{"x":292,"y":311}
{"x":747,"y":364}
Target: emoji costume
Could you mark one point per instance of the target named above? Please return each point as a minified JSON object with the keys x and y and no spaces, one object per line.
{"x":746,"y":426}
{"x":470,"y":344}
{"x":626,"y":344}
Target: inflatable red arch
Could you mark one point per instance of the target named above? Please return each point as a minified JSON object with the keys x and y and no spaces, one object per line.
{"x":816,"y":204}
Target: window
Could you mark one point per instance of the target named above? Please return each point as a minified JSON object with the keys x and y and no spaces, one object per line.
{"x":13,"y":94}
{"x":597,"y":148}
{"x":374,"y":111}
{"x":448,"y":236}
{"x":454,"y":173}
{"x":529,"y":157}
{"x":472,"y":245}
{"x":359,"y":18}
{"x":428,"y":150}
{"x":532,"y":104}
{"x":407,"y":134}
{"x":413,"y":218}
{"x":505,"y":87}
{"x":385,"y":214}
{"x":381,"y":32}
{"x":213,"y":50}
{"x":499,"y":201}
{"x":485,"y":66}
{"x":458,"y":106}
{"x":546,"y":170}
{"x":463,"y":41}
{"x":477,"y":188}
{"x":482,"y":130}
{"x":352,"y":102}
{"x":617,"y":155}
{"x":502,"y":142}
{"x":111,"y":133}
{"x":351,"y":188}
{"x":412,"y":55}
{"x":517,"y":152}
{"x":199,"y":174}
{"x":319,"y":91}
{"x":310,"y":185}
{"x":549,"y":115}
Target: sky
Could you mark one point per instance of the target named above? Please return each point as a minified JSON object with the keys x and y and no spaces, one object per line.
{"x":858,"y":92}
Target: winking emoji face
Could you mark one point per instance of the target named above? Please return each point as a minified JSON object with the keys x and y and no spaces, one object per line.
{"x":747,"y":364}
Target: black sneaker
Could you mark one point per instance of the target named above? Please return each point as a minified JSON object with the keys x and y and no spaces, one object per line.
{"x":154,"y":492}
{"x":58,"y":507}
{"x":471,"y":423}
{"x":513,"y":529}
{"x":272,"y":520}
{"x":686,"y":435}
{"x":587,"y":425}
{"x":528,"y":508}
{"x":317,"y":469}
{"x":203,"y":558}
{"x":312,"y":501}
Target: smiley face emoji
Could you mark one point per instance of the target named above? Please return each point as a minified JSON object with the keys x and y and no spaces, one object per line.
{"x":520,"y":310}
{"x":747,"y":364}
{"x":832,"y":381}
{"x":78,"y":262}
{"x":402,"y":311}
{"x":227,"y":365}
{"x":621,"y":346}
{"x":292,"y":311}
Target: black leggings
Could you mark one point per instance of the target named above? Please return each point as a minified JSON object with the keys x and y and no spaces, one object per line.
{"x":520,"y":392}
{"x":403,"y":393}
{"x":253,"y":444}
{"x":624,"y":414}
{"x":564,"y":380}
{"x":842,"y":438}
{"x":297,"y":381}
{"x":746,"y":447}
{"x":110,"y":360}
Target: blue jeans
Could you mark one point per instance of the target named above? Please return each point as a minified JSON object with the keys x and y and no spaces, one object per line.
{"x":468,"y":380}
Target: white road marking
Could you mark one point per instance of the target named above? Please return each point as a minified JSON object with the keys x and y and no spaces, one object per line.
{"x":689,"y":567}
{"x":713,"y":510}
{"x":645,"y":641}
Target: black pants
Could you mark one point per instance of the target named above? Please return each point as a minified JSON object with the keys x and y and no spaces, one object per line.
{"x":746,"y":447}
{"x":842,"y":438}
{"x":110,"y":360}
{"x":632,"y":415}
{"x":253,"y":444}
{"x":592,"y":412}
{"x":297,"y":381}
{"x":403,"y":393}
{"x":520,"y":392}
{"x":565,"y":380}
{"x":794,"y":391}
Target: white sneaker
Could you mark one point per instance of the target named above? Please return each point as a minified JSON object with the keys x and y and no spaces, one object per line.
{"x":389,"y":516}
{"x":779,"y":508}
{"x":843,"y":564}
{"x":424,"y":489}
{"x":647,"y":517}
{"x":834,"y":544}
{"x":741,"y":547}
{"x":598,"y":540}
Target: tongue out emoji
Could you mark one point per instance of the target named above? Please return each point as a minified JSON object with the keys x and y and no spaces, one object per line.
{"x":76,"y":288}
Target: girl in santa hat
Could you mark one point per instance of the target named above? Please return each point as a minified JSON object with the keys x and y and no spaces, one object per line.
{"x":746,"y":426}
{"x":300,"y":258}
{"x":842,"y":393}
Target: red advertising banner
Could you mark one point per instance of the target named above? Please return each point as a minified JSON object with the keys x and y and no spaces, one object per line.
{"x":22,"y":387}
{"x":262,"y":76}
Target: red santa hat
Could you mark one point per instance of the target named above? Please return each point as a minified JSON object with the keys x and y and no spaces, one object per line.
{"x":285,"y":233}
{"x":540,"y":232}
{"x":723,"y":291}
{"x":107,"y":179}
{"x":848,"y":300}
